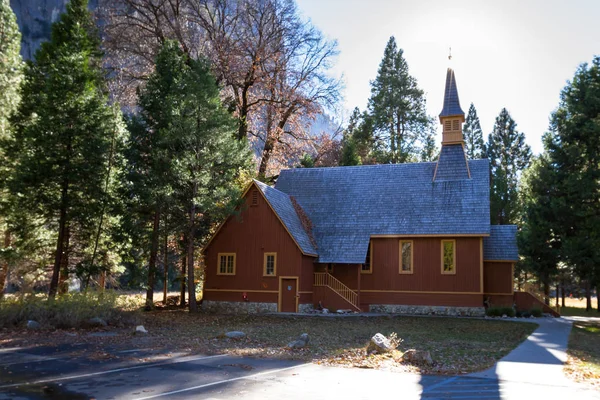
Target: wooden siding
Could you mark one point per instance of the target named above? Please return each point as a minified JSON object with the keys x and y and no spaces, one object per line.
{"x":422,"y":299}
{"x":498,"y":277}
{"x":526,"y":302}
{"x":256,"y":231}
{"x":426,"y":276}
{"x":330,"y":299}
{"x":495,"y":300}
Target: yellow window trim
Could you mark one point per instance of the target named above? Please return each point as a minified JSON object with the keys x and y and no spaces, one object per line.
{"x":219,"y":255}
{"x":274,"y":264}
{"x":370,"y":270}
{"x":453,"y":272}
{"x":412,"y":252}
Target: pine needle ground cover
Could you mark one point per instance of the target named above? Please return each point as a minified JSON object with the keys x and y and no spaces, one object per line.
{"x":456,"y":345}
{"x":583,"y":364}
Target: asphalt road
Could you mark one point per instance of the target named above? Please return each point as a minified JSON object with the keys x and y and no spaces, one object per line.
{"x":72,"y":373}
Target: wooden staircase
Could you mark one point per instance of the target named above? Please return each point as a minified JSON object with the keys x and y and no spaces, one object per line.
{"x":327,"y":280}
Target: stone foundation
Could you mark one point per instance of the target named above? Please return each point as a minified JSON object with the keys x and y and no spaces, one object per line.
{"x":427,"y":310}
{"x":238,"y":307}
{"x":305,"y":308}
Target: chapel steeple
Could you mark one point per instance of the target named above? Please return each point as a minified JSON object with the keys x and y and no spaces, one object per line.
{"x":452,"y":164}
{"x":452,"y":116}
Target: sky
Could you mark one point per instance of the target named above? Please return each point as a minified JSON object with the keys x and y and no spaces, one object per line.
{"x":513,"y":54}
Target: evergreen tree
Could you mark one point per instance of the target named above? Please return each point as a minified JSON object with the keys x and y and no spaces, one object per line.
{"x":11,"y":73}
{"x":509,"y":155}
{"x":397,"y":107}
{"x":11,"y":65}
{"x":64,"y":135}
{"x":204,"y":158}
{"x":307,"y":161}
{"x":573,"y":148}
{"x":538,"y":241}
{"x":473,"y":135}
{"x":350,"y":155}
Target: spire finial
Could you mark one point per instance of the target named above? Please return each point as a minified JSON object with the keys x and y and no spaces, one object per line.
{"x":450,"y":53}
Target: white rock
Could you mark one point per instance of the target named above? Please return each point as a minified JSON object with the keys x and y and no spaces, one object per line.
{"x":140,"y":329}
{"x":379,"y":344}
{"x":235,"y":335}
{"x":33,"y":325}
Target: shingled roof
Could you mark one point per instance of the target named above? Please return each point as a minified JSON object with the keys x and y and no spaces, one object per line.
{"x":349,"y":204}
{"x":501,"y":245}
{"x":451,"y":102}
{"x":452,"y":164}
{"x":284,"y":208}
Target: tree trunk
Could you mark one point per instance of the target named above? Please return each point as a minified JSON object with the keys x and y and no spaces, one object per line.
{"x":546,"y":287}
{"x":183,"y":272}
{"x":102,"y":281}
{"x":562,"y":293}
{"x":4,"y":268}
{"x":60,"y":242}
{"x":193,"y":307}
{"x":598,"y":296}
{"x":166,"y":267}
{"x":588,"y":296}
{"x":557,"y":289}
{"x":63,"y":280}
{"x":153,"y":257}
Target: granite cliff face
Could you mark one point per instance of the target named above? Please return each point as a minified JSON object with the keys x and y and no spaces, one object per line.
{"x":35,"y":18}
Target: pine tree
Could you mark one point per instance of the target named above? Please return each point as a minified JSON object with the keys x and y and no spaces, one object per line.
{"x":65,"y":131}
{"x":573,"y":147}
{"x":538,"y":241}
{"x":350,"y":155}
{"x":473,"y":135}
{"x":11,"y":65}
{"x":509,"y":155}
{"x":397,"y":107}
{"x":11,"y":74}
{"x":204,"y":158}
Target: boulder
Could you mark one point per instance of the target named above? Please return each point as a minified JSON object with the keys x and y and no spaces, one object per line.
{"x":140,"y":329}
{"x":379,"y":344}
{"x":417,"y":357}
{"x":33,"y":325}
{"x":96,"y":322}
{"x":235,"y":335}
{"x":299,"y":343}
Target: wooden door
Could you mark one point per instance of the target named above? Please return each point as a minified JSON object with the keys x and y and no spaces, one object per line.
{"x":288,"y":292}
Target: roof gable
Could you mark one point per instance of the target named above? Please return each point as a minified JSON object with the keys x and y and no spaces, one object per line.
{"x":284,"y":210}
{"x":283,"y":207}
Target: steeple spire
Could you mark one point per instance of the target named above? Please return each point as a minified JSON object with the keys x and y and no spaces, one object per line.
{"x":452,"y":116}
{"x":452,"y":164}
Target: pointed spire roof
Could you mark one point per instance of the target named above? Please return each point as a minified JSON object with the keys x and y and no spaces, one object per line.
{"x":451,"y":102}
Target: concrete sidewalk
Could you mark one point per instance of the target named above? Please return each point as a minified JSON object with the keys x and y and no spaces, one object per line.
{"x":539,"y":359}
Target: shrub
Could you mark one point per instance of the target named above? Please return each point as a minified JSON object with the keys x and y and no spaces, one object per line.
{"x":500,"y":311}
{"x":66,"y":311}
{"x":536,"y":312}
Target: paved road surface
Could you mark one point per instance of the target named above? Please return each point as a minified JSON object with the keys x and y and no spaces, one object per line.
{"x":53,"y":373}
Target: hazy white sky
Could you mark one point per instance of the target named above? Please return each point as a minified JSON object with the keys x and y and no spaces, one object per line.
{"x":510,"y":53}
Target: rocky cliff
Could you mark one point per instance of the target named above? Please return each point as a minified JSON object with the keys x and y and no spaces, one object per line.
{"x":35,"y":18}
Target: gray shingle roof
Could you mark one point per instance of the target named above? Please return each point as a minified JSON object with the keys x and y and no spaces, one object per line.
{"x":501,"y":244}
{"x":451,"y":102}
{"x":452,"y":164}
{"x":282,"y":204}
{"x":349,"y":204}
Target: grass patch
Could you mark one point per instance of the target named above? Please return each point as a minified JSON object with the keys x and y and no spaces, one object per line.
{"x":68,"y":311}
{"x":456,"y":345}
{"x":578,"y":312}
{"x":583,"y":363}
